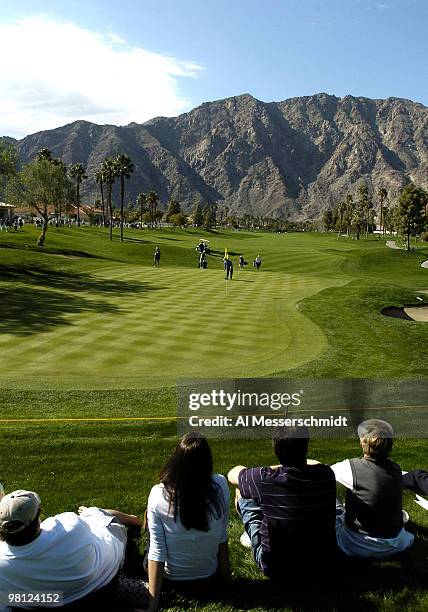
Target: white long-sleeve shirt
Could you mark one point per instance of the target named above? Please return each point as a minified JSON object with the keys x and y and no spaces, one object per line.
{"x":188,"y":554}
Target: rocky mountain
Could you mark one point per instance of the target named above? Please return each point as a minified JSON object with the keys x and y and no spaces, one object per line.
{"x":292,"y":158}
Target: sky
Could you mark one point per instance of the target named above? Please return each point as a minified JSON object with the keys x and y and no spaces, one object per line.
{"x":116,"y":62}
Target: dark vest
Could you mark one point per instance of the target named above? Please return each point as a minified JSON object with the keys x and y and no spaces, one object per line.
{"x":374,"y":505}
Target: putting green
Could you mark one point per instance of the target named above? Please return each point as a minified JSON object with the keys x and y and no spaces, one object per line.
{"x":173,"y":323}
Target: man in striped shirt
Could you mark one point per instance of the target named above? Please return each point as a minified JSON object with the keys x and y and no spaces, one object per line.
{"x":288,"y":510}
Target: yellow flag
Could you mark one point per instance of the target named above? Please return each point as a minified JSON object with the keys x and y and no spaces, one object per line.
{"x":226,"y":256}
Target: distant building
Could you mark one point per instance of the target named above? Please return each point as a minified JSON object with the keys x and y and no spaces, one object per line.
{"x":7,"y":211}
{"x":87,"y":213}
{"x":25,"y":213}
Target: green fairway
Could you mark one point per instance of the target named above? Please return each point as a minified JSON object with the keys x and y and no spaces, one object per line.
{"x":88,"y":313}
{"x":90,"y":330}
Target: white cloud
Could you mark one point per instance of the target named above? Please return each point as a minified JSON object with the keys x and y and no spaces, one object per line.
{"x":53,"y":73}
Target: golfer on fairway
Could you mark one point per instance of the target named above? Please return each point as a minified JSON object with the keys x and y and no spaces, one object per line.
{"x":228,"y":268}
{"x":257,"y":262}
{"x":156,"y":258}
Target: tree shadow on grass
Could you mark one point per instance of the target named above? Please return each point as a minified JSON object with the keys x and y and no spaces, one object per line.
{"x":42,"y":298}
{"x":27,"y":310}
{"x":51,"y":251}
{"x":139,"y":240}
{"x":47,"y":277}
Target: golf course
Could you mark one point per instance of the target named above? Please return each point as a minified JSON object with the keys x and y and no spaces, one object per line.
{"x":94,"y":338}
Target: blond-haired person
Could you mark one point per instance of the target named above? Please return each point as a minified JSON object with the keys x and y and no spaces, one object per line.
{"x":371,"y":522}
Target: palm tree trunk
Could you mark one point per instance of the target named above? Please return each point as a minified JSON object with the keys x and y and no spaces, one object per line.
{"x":122,"y":197}
{"x":78,"y":202}
{"x":340,"y":226}
{"x":110,"y":210}
{"x":102,"y":202}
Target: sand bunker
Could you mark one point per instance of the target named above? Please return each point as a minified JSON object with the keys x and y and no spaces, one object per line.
{"x":424,"y":264}
{"x":408,"y":313}
{"x":417,"y":313}
{"x":391,"y":244}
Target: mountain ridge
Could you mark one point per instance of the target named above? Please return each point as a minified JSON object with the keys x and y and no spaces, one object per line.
{"x":291,"y":158}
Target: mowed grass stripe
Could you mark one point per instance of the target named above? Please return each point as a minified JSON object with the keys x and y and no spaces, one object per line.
{"x":113,"y":316}
{"x":193,"y":317}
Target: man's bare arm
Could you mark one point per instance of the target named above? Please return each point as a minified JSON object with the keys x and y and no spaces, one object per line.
{"x":233,"y":475}
{"x":129,"y":520}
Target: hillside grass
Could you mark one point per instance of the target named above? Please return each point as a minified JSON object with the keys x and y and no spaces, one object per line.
{"x":89,"y":330}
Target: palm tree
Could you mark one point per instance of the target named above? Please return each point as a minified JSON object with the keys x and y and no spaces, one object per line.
{"x":349,"y":202}
{"x":141,"y":203}
{"x":44,"y":154}
{"x":108,"y":169}
{"x":99,"y":180}
{"x":341,"y":208}
{"x":124,"y":169}
{"x":383,"y":196}
{"x":153,"y":201}
{"x":358,"y":219}
{"x":364,"y":204}
{"x":78,"y":172}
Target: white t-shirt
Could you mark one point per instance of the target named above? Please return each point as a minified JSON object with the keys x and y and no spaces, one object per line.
{"x":358,"y":544}
{"x":188,"y":554}
{"x":73,"y":554}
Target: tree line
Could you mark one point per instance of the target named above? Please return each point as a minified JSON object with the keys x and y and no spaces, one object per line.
{"x":357,"y":215}
{"x":46,"y":185}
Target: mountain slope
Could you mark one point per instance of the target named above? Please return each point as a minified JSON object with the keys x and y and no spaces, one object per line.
{"x":292,"y":158}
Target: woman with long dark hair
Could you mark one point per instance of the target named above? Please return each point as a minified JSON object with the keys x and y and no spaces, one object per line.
{"x":188,"y":516}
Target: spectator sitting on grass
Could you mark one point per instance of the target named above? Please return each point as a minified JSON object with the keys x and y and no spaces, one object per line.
{"x":80,"y":556}
{"x":288,"y":510}
{"x":188,"y":516}
{"x":371,"y":523}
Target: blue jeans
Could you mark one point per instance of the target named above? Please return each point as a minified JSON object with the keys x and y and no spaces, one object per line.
{"x":251,"y":515}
